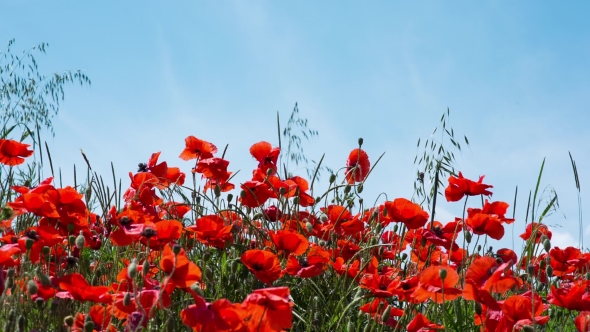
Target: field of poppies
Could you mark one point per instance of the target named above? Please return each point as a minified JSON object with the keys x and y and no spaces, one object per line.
{"x":177,"y":251}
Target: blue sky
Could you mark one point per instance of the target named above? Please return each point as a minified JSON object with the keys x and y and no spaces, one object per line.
{"x":514,"y":75}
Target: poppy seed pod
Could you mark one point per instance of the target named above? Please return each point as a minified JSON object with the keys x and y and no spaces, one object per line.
{"x":132,"y":269}
{"x":32,"y":287}
{"x":80,"y":241}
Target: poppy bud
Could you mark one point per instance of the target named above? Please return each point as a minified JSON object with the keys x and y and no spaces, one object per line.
{"x":347,"y":189}
{"x":359,"y":188}
{"x":296,"y":201}
{"x":360,"y":141}
{"x":530,"y":269}
{"x":45,"y":281}
{"x":127,"y":299}
{"x":71,"y":240}
{"x":32,"y":288}
{"x":386,"y":313}
{"x":318,"y":199}
{"x":196,"y":287}
{"x":549,"y":271}
{"x":528,"y":328}
{"x":176,"y":248}
{"x":146,"y":267}
{"x":230,"y":197}
{"x":5,"y":213}
{"x":80,"y":240}
{"x":423,"y":242}
{"x":443,"y":274}
{"x":282,"y":191}
{"x":10,"y":273}
{"x":69,"y":321}
{"x":39,"y":302}
{"x":587,"y":275}
{"x":308,"y":227}
{"x":323,"y":218}
{"x":242,"y":193}
{"x":70,"y":227}
{"x":46,"y":250}
{"x":361,"y":201}
{"x":478,"y":247}
{"x":88,"y":324}
{"x":379,"y":228}
{"x":332,"y":178}
{"x":404,"y":256}
{"x":395,"y":227}
{"x":547,"y":245}
{"x":29,"y":243}
{"x":21,"y":323}
{"x":468,"y":237}
{"x":350,"y":327}
{"x":132,"y":269}
{"x":385,"y":215}
{"x":217,"y":191}
{"x":478,"y":308}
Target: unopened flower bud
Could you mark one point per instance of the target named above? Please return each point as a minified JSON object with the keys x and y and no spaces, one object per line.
{"x":530,"y":269}
{"x":332,"y":178}
{"x":549,"y":271}
{"x":70,"y":227}
{"x":29,"y":243}
{"x":21,"y":323}
{"x":360,"y":141}
{"x":46,"y":250}
{"x":308,"y":227}
{"x":88,"y":324}
{"x":323,"y":218}
{"x":196,"y":287}
{"x":386,"y":313}
{"x":547,"y":245}
{"x":80,"y":241}
{"x":146,"y":267}
{"x":71,"y":240}
{"x":10,"y":273}
{"x":359,"y":188}
{"x":468,"y":237}
{"x":404,"y":256}
{"x":230,"y":197}
{"x":45,"y":281}
{"x":32,"y":287}
{"x":127,"y":299}
{"x":347,"y":189}
{"x":132,"y":269}
{"x":443,"y":274}
{"x":478,"y":308}
{"x":217,"y":191}
{"x":176,"y":249}
{"x":69,"y":321}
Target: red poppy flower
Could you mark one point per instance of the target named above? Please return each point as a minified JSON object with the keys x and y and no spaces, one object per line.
{"x":372,"y":308}
{"x":268,"y":309}
{"x":221,"y":315}
{"x":357,"y":166}
{"x":571,"y":297}
{"x":421,"y":324}
{"x":80,"y":290}
{"x":313,"y":265}
{"x":350,"y":269}
{"x":582,"y":321}
{"x":538,"y":229}
{"x":263,"y":264}
{"x":266,"y":156}
{"x":13,"y":153}
{"x":403,"y":210}
{"x":564,"y":261}
{"x":432,"y":286}
{"x":255,"y":193}
{"x":182,"y":274}
{"x":290,"y":242}
{"x":99,"y":315}
{"x":157,"y":235}
{"x":444,"y":236}
{"x":488,"y":224}
{"x":518,"y":310}
{"x":196,"y":148}
{"x":460,"y":186}
{"x":7,"y":252}
{"x":379,"y":285}
{"x":212,"y":230}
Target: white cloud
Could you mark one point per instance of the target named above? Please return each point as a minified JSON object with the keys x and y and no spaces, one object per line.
{"x":563,"y":240}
